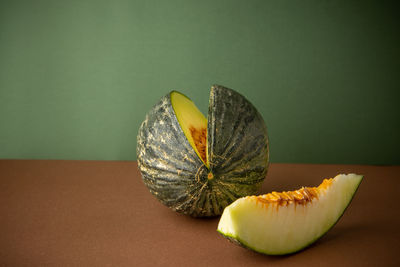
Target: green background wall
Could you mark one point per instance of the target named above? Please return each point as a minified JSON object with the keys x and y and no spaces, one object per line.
{"x":77,"y":77}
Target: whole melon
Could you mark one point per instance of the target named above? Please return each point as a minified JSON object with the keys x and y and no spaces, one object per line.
{"x":197,"y":165}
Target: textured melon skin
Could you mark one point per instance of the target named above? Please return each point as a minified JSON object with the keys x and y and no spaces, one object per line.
{"x":238,"y":141}
{"x":175,"y":174}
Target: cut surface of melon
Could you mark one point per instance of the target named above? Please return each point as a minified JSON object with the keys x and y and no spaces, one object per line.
{"x":286,"y":222}
{"x":192,"y":122}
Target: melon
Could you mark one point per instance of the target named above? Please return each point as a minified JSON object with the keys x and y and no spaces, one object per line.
{"x":198,"y":165}
{"x":280,"y":223}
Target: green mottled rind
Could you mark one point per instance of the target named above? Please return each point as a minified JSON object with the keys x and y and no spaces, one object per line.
{"x":237,"y":142}
{"x":170,"y":167}
{"x":174,"y":173}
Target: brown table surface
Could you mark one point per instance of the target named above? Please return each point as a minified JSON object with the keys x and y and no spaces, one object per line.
{"x":99,"y":213}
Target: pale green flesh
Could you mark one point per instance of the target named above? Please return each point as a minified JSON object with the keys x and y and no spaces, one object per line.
{"x":281,"y":230}
{"x":188,"y":115}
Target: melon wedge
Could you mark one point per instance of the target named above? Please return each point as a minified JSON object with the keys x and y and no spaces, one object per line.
{"x":286,"y":222}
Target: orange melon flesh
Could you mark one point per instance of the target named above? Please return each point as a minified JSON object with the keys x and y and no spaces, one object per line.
{"x":193,"y":123}
{"x":199,"y":136}
{"x":285,"y":222}
{"x":297,"y":197}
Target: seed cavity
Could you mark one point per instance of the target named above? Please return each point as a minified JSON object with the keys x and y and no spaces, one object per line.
{"x":301,"y":196}
{"x":200,"y":140}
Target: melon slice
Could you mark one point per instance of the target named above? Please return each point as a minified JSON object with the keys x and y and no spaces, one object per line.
{"x":286,"y":222}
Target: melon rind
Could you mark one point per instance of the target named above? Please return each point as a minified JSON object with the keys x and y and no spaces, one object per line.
{"x":280,"y":230}
{"x":170,"y":167}
{"x":173,"y":171}
{"x":238,"y":149}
